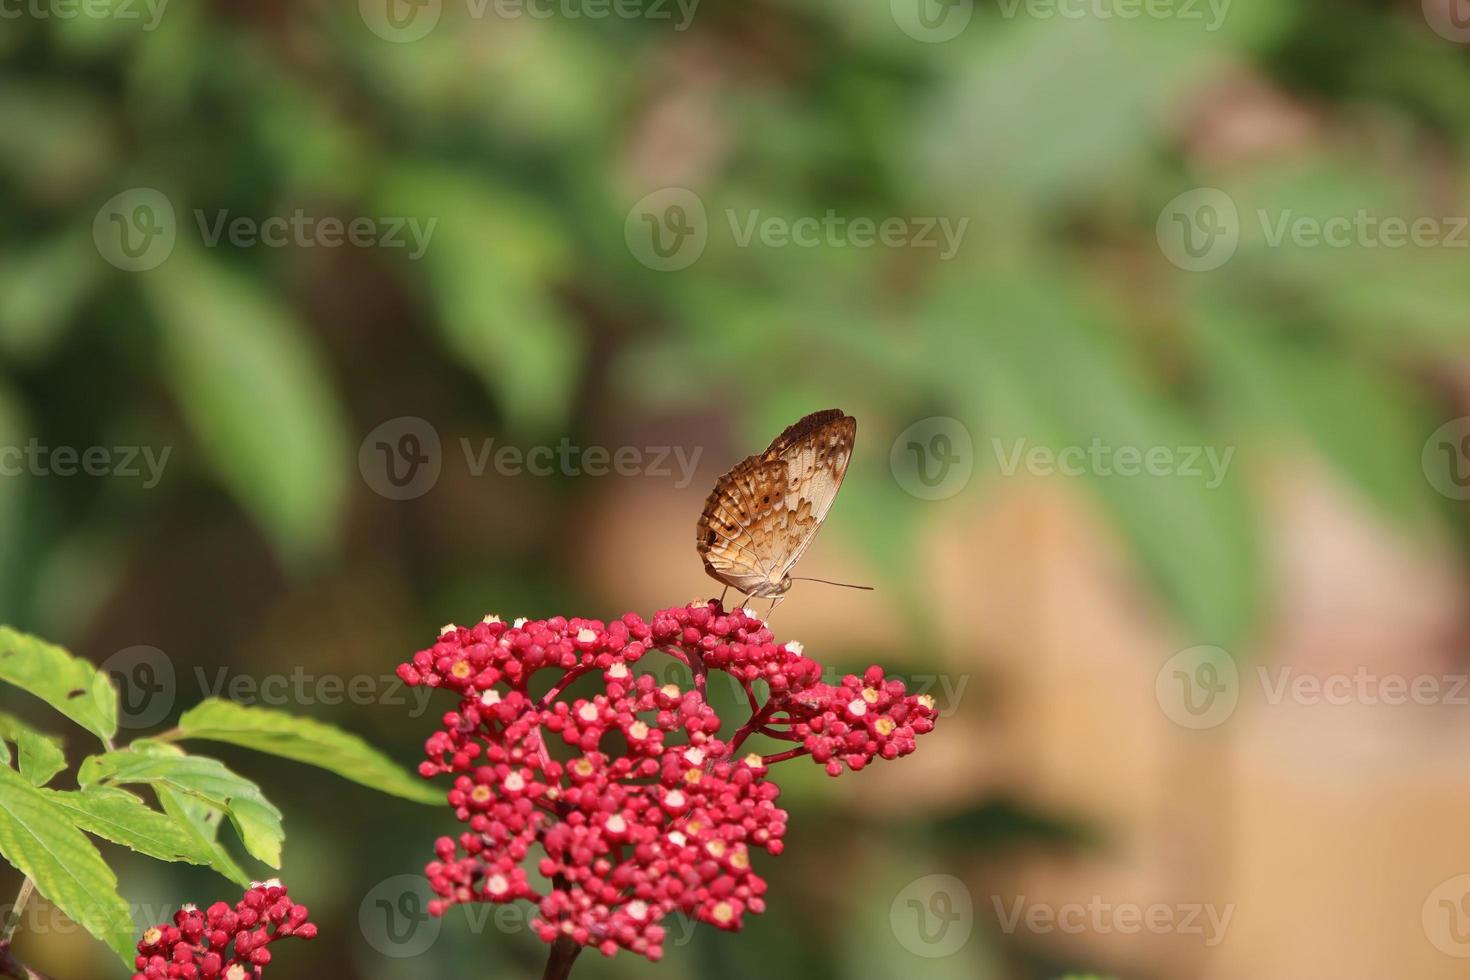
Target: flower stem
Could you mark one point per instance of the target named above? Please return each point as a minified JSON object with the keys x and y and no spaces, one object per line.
{"x":16,"y":910}
{"x":563,"y":954}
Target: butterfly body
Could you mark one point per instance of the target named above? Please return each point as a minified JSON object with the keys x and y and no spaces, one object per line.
{"x":763,"y":514}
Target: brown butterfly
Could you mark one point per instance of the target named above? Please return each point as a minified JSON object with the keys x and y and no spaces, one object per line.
{"x":763,"y":514}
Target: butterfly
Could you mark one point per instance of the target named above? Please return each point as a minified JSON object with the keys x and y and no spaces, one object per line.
{"x":763,"y":514}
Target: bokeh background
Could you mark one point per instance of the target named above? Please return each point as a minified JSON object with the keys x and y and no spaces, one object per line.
{"x":1125,"y":660}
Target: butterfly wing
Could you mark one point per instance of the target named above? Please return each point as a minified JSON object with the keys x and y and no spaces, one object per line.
{"x":816,"y":455}
{"x":763,"y":514}
{"x":737,"y":532}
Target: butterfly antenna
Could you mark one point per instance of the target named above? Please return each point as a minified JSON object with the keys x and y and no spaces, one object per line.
{"x":845,"y":585}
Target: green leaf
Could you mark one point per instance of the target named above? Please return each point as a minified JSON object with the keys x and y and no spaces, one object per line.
{"x":257,"y":397}
{"x":41,"y":756}
{"x":38,"y":839}
{"x":256,"y":821}
{"x":1366,"y":424}
{"x":70,"y":685}
{"x":119,"y":816}
{"x":304,"y":740}
{"x":200,"y":820}
{"x":1046,"y":373}
{"x":491,"y":263}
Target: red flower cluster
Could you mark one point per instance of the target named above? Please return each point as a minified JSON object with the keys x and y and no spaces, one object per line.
{"x":638,"y":805}
{"x":199,"y":944}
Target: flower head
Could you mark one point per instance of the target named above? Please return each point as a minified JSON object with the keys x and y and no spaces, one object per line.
{"x":625,"y":799}
{"x":229,"y":943}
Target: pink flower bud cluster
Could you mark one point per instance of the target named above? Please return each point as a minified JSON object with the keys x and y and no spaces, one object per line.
{"x":614,"y":807}
{"x":225,"y":942}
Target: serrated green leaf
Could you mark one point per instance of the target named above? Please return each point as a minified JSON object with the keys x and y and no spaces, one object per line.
{"x":40,"y":841}
{"x":115,"y":814}
{"x":255,"y":393}
{"x":304,"y":740}
{"x":208,"y":780}
{"x":69,"y":684}
{"x":41,"y":756}
{"x":200,"y":820}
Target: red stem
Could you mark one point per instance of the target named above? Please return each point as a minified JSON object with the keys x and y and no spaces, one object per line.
{"x":563,"y":954}
{"x":12,"y":967}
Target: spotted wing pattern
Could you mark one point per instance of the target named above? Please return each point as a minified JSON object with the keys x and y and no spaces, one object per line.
{"x":762,"y":515}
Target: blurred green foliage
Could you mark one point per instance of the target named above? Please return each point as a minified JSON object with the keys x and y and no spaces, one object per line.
{"x":528,"y":141}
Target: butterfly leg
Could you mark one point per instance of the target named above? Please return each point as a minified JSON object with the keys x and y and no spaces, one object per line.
{"x":774,"y":603}
{"x":723,"y":593}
